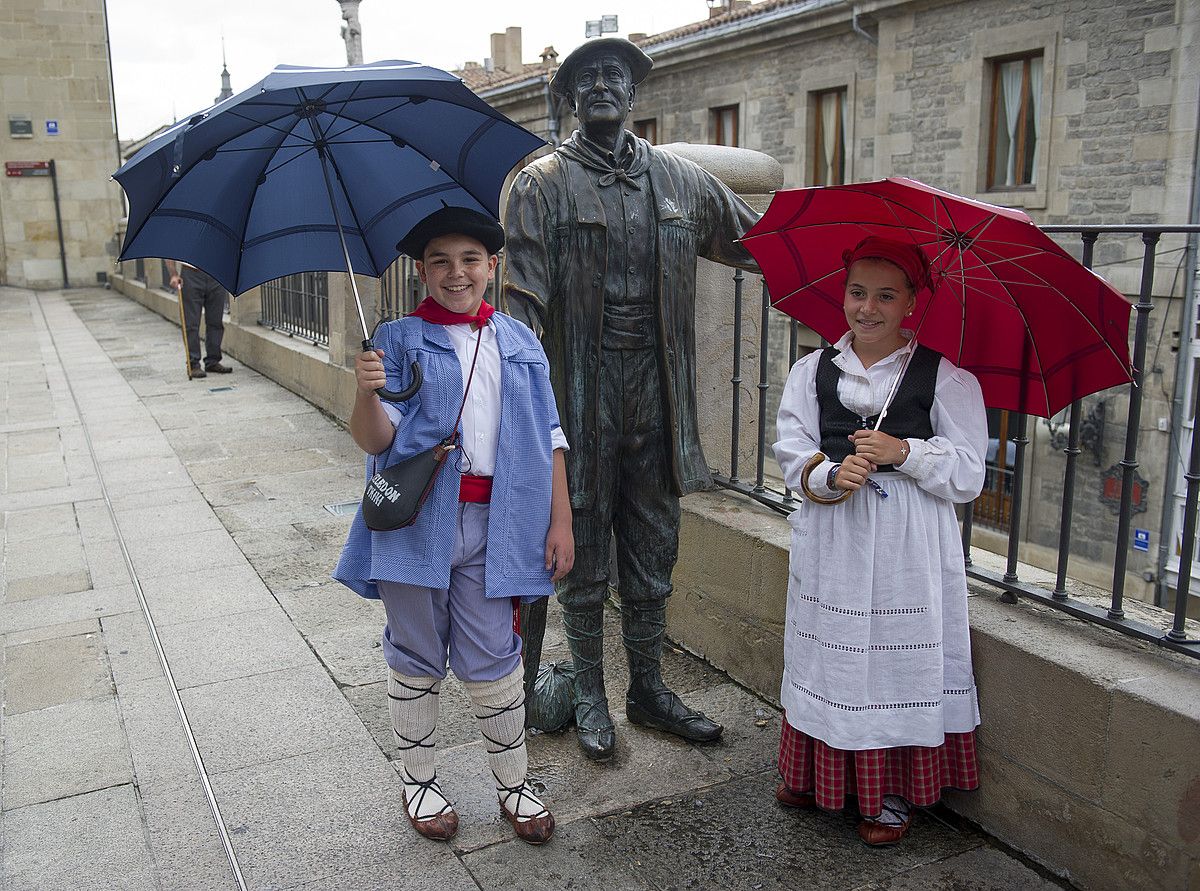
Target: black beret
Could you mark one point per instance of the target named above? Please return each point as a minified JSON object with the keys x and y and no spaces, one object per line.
{"x":639,"y":63}
{"x":452,"y":221}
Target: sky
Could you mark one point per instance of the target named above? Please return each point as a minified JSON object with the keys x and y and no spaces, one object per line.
{"x":166,"y":54}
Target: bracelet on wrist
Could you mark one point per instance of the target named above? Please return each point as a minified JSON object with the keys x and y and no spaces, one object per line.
{"x":833,"y":472}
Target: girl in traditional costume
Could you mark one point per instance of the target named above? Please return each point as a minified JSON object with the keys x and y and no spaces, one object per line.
{"x":878,"y":688}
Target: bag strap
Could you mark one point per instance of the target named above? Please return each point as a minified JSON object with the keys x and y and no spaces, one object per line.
{"x":453,"y":437}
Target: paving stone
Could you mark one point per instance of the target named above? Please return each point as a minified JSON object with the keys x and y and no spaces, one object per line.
{"x":57,"y":609}
{"x":63,"y":750}
{"x":196,"y":552}
{"x":702,"y":840}
{"x":227,"y":647}
{"x":31,"y":525}
{"x":578,"y":859}
{"x":95,"y":521}
{"x":144,"y":474}
{"x":750,"y":741}
{"x":51,"y":632}
{"x":980,"y":869}
{"x":389,"y":875}
{"x":34,"y":677}
{"x":271,"y":542}
{"x":270,"y":716}
{"x":645,"y":766}
{"x":183,"y":839}
{"x":84,"y":491}
{"x":192,"y":596}
{"x":106,"y":563}
{"x":255,"y":466}
{"x":91,"y":842}
{"x":131,"y":652}
{"x":321,"y":815}
{"x":53,"y":564}
{"x":158,"y":745}
{"x":186,"y":516}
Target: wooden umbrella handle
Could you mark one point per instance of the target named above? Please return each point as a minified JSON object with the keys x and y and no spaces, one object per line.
{"x":812,"y":496}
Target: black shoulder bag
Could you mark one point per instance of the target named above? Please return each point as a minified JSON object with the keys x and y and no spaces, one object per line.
{"x":394,"y":497}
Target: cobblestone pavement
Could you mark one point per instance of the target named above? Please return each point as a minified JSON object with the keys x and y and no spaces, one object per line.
{"x":127,"y":491}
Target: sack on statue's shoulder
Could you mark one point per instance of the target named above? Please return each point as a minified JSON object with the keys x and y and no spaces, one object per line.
{"x":552,"y":707}
{"x":393,"y":497}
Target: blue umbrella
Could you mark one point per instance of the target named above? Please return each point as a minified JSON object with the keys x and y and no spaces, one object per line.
{"x":317,"y":169}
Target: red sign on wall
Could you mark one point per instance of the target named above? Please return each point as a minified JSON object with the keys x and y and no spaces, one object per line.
{"x":26,"y":168}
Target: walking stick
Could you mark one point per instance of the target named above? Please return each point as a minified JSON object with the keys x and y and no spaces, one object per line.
{"x":187,"y":354}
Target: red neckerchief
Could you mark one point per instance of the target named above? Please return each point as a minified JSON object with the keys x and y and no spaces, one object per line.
{"x":432,"y":311}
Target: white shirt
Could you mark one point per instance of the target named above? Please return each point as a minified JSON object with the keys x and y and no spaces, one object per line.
{"x":481,"y":414}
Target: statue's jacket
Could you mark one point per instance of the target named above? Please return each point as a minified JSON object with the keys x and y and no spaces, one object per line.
{"x":556,"y":255}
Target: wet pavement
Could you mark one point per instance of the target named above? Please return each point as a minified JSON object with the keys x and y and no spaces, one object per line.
{"x":146,"y":513}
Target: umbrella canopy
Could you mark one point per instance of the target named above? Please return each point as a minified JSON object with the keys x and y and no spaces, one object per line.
{"x":1035,"y":326}
{"x":243,"y":190}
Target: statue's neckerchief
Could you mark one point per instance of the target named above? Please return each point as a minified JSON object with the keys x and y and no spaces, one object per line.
{"x":633,"y":163}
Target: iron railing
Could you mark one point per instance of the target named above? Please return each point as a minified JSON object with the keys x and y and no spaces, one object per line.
{"x":298,"y":305}
{"x":1009,"y":478}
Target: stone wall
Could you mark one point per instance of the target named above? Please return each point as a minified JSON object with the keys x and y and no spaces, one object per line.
{"x":54,"y":67}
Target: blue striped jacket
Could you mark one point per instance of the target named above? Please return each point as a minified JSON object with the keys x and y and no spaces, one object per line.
{"x":520,"y":510}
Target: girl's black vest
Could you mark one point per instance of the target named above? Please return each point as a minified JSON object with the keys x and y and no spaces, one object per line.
{"x":908,"y":415}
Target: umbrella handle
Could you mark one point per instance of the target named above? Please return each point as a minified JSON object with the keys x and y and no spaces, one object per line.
{"x":403,"y":395}
{"x":809,"y":467}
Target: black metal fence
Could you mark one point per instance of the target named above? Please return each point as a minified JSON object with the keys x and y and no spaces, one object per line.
{"x":298,"y":305}
{"x":1000,"y":505}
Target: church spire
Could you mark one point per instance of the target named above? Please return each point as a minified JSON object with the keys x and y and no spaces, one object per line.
{"x":226,"y":88}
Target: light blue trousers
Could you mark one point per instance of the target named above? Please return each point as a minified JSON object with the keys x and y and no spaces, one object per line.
{"x":428,"y":628}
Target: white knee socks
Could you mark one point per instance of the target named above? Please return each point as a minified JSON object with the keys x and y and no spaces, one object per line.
{"x":413,"y":704}
{"x":500,"y":710}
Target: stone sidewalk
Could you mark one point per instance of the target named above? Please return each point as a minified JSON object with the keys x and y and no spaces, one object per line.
{"x":127,"y":491}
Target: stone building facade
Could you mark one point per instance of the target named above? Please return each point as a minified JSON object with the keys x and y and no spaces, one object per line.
{"x":1103,"y":133}
{"x":56,"y":104}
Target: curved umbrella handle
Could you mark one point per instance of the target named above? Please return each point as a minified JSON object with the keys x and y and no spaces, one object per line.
{"x":809,"y":467}
{"x":403,"y":395}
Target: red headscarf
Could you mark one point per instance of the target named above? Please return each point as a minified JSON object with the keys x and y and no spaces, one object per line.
{"x":910,"y":258}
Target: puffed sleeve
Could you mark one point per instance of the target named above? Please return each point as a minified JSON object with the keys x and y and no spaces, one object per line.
{"x":950,"y":464}
{"x":798,"y":426}
{"x":527,"y":265}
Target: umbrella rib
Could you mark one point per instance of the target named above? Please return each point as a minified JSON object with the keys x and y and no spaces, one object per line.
{"x":417,"y":149}
{"x":350,"y":204}
{"x":254,"y":194}
{"x":270,"y":125}
{"x":367,"y":122}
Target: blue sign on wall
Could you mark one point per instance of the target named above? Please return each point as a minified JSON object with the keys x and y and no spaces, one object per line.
{"x":51,"y":128}
{"x":1141,"y":539}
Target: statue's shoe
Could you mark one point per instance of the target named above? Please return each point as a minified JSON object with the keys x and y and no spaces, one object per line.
{"x":665,"y":711}
{"x":595,"y":731}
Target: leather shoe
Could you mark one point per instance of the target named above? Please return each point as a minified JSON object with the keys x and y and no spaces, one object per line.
{"x":790,"y":798}
{"x":218,"y":368}
{"x":440,"y":827}
{"x":198,"y":373}
{"x":536,"y":830}
{"x":595,"y":731}
{"x":879,"y":835}
{"x":665,"y":711}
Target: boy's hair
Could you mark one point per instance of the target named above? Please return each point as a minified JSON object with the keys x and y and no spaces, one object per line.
{"x":452,"y":221}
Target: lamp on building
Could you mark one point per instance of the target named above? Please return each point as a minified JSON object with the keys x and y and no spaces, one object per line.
{"x":606,"y":24}
{"x":1091,"y":431}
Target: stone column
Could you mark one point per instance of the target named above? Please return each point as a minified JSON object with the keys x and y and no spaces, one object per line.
{"x":753,"y":175}
{"x":345,"y":329}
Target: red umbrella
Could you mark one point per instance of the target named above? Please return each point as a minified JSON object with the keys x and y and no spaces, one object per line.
{"x":1036,"y":327}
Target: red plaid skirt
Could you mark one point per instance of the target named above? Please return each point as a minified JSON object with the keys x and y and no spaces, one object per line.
{"x":916,"y":773}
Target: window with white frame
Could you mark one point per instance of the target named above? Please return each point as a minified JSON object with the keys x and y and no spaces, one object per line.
{"x":1014,"y":140}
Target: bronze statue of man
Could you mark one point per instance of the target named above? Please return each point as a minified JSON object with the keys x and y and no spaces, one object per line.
{"x":602,"y":237}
